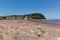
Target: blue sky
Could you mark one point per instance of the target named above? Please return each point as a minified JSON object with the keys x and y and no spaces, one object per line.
{"x":49,"y":8}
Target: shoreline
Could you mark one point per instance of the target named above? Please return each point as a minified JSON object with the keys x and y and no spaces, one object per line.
{"x":33,"y":29}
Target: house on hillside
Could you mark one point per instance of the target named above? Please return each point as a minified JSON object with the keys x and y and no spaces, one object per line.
{"x":20,"y":18}
{"x":10,"y":18}
{"x":27,"y":18}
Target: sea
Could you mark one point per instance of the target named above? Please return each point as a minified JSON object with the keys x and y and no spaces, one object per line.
{"x":48,"y":21}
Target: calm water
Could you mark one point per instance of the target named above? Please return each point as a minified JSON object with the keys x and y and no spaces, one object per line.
{"x":49,"y":21}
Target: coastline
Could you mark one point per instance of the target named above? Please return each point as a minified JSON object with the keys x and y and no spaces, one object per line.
{"x":36,"y":28}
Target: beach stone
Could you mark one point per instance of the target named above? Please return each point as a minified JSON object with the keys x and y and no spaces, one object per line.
{"x":24,"y":34}
{"x":23,"y":30}
{"x":1,"y":37}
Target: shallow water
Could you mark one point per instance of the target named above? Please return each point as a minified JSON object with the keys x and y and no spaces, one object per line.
{"x":48,"y":21}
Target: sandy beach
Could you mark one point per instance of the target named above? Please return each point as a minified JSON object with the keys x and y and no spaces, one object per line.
{"x":21,"y":29}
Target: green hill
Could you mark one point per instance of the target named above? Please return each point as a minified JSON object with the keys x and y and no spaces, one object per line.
{"x":27,"y":16}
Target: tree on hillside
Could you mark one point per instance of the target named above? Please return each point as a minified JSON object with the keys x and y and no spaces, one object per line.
{"x":37,"y":16}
